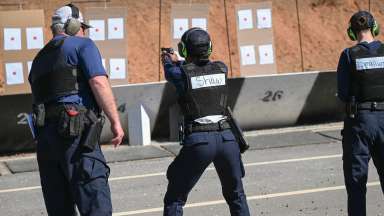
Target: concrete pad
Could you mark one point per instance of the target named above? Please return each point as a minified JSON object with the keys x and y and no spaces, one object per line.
{"x":333,"y":134}
{"x":111,"y":155}
{"x":170,"y":149}
{"x":134,"y":153}
{"x":273,"y":140}
{"x":287,"y":139}
{"x":23,"y":165}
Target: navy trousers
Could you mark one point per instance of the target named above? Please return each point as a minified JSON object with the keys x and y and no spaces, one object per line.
{"x":70,"y":175}
{"x":198,"y":151}
{"x":363,"y":138}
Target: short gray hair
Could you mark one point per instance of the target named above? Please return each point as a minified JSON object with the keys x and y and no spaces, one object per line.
{"x":57,"y":28}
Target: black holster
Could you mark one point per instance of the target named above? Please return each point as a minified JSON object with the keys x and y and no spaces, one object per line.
{"x":38,"y":111}
{"x":352,"y":107}
{"x":237,"y":131}
{"x":91,"y":136}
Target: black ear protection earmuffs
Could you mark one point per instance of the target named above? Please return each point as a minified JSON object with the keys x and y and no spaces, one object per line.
{"x":182,"y":45}
{"x":374,"y":26}
{"x":73,"y":25}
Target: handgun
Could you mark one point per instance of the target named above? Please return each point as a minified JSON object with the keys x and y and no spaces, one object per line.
{"x":237,"y":131}
{"x":167,"y":50}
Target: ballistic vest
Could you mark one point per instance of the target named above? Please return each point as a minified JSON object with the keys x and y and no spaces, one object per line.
{"x":367,"y":77}
{"x":206,"y":92}
{"x":58,"y":78}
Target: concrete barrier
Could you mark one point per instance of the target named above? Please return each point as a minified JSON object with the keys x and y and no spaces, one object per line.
{"x":138,"y":126}
{"x":284,"y":100}
{"x":257,"y":102}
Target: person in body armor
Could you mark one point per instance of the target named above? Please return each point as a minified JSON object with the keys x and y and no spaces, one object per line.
{"x":70,"y":88}
{"x":202,"y":91}
{"x":360,"y":77}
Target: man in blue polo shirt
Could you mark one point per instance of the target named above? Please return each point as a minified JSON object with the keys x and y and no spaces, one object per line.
{"x":70,"y":88}
{"x":360,"y":76}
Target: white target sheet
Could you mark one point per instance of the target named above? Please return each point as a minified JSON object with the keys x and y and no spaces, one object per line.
{"x":12,"y":39}
{"x":247,"y":54}
{"x":35,"y":38}
{"x":115,"y":28}
{"x":266,"y":54}
{"x":200,"y":23}
{"x":14,"y":73}
{"x":245,"y":19}
{"x":264,"y":18}
{"x":117,"y":68}
{"x":179,"y":27}
{"x":97,"y":33}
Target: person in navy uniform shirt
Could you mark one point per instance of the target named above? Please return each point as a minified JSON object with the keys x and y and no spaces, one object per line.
{"x":360,"y":78}
{"x":202,"y":91}
{"x":70,"y":85}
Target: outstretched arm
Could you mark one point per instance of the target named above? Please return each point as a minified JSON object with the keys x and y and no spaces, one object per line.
{"x":172,"y":70}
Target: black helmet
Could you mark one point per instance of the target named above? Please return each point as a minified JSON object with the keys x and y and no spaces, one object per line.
{"x":195,"y":42}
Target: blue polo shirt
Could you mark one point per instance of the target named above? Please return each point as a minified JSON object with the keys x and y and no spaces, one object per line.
{"x":345,"y":68}
{"x":80,"y":51}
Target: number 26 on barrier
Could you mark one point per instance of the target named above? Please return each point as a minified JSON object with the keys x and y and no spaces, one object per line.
{"x":273,"y":96}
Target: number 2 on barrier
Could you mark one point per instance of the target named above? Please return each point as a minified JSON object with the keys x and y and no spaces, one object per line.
{"x":22,"y":119}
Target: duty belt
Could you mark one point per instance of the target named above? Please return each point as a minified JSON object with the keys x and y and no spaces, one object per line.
{"x":374,"y":106}
{"x":53,"y":112}
{"x":195,"y":127}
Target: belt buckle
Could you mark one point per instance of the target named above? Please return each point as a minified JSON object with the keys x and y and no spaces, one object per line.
{"x":221,"y":124}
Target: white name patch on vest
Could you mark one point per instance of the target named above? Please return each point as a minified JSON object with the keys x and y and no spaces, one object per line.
{"x":207,"y":81}
{"x":369,"y":63}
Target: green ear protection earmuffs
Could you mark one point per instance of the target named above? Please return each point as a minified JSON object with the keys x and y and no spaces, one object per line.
{"x":73,"y":25}
{"x":375,"y":30}
{"x":350,"y":33}
{"x":182,"y":47}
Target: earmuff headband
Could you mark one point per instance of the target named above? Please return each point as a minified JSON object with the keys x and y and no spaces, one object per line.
{"x":73,"y":25}
{"x":75,"y":11}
